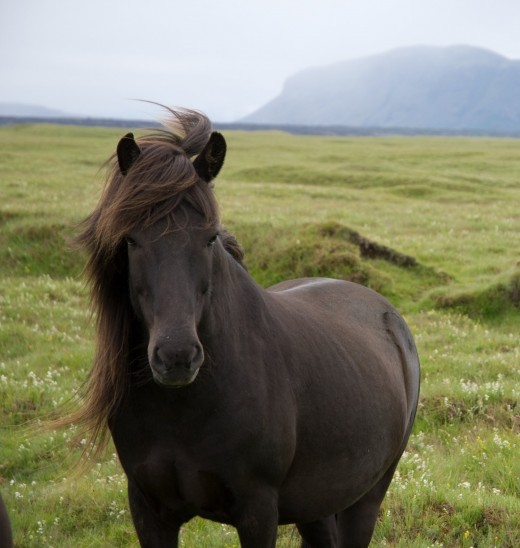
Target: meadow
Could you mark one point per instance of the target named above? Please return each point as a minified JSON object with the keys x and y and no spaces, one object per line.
{"x":432,"y":223}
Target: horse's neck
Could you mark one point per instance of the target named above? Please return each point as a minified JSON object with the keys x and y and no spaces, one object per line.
{"x":239,"y":303}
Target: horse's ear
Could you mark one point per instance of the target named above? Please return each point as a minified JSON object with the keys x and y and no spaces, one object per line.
{"x":127,"y":152}
{"x":208,"y":163}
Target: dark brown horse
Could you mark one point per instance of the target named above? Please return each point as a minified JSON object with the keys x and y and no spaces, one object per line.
{"x":6,"y":536}
{"x":242,"y":405}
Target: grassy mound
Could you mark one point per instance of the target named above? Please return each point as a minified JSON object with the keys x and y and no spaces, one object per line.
{"x":489,"y":301}
{"x":333,"y":250}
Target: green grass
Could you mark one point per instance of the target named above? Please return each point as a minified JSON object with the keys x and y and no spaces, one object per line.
{"x":299,"y":206}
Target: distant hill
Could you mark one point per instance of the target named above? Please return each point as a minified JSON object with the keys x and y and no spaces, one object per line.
{"x":452,"y":88}
{"x":31,"y":111}
{"x":19,"y":113}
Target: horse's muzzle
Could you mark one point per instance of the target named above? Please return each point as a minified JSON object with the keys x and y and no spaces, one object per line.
{"x":173,"y":366}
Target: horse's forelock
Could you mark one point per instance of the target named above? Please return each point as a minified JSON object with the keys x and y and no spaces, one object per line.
{"x":161,"y":178}
{"x":190,"y":128}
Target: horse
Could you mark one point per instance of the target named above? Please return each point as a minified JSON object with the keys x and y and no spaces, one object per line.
{"x":246,"y":406}
{"x":6,"y":535}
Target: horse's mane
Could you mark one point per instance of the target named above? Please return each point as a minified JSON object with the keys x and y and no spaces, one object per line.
{"x":151,"y":190}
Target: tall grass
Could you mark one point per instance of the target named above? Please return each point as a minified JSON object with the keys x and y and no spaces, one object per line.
{"x":299,"y":206}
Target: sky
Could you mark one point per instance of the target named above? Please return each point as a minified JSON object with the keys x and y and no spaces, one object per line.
{"x":224,"y":57}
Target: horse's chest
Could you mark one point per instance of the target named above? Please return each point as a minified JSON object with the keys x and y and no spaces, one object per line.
{"x":177,"y":484}
{"x":172,"y":469}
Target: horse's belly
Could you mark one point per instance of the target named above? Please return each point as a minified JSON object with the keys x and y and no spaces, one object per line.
{"x":328,"y":488}
{"x":307,"y":498}
{"x":336,"y":464}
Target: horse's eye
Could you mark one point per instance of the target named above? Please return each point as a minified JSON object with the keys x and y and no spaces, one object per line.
{"x":130,"y":241}
{"x":212,"y":240}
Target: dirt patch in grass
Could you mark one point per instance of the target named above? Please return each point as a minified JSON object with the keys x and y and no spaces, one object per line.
{"x":368,"y":248}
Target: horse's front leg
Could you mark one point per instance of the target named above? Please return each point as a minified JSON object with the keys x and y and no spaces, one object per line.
{"x":257,"y":520}
{"x":154,"y":528}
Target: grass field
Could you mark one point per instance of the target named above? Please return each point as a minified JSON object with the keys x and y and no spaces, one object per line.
{"x":442,"y":217}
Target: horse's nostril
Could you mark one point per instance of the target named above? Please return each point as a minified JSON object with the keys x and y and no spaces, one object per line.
{"x":197,"y":353}
{"x":160,"y":356}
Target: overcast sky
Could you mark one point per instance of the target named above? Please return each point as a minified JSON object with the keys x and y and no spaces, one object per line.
{"x":224,"y":57}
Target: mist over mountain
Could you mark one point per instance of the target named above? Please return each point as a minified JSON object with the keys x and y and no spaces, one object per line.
{"x":453,"y":88}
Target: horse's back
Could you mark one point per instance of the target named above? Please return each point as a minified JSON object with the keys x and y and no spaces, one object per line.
{"x":339,"y":295}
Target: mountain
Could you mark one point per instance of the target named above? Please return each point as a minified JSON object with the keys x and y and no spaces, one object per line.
{"x":452,"y":88}
{"x":30,"y":111}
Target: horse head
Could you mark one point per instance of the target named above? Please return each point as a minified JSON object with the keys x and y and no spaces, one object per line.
{"x":170,"y":270}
